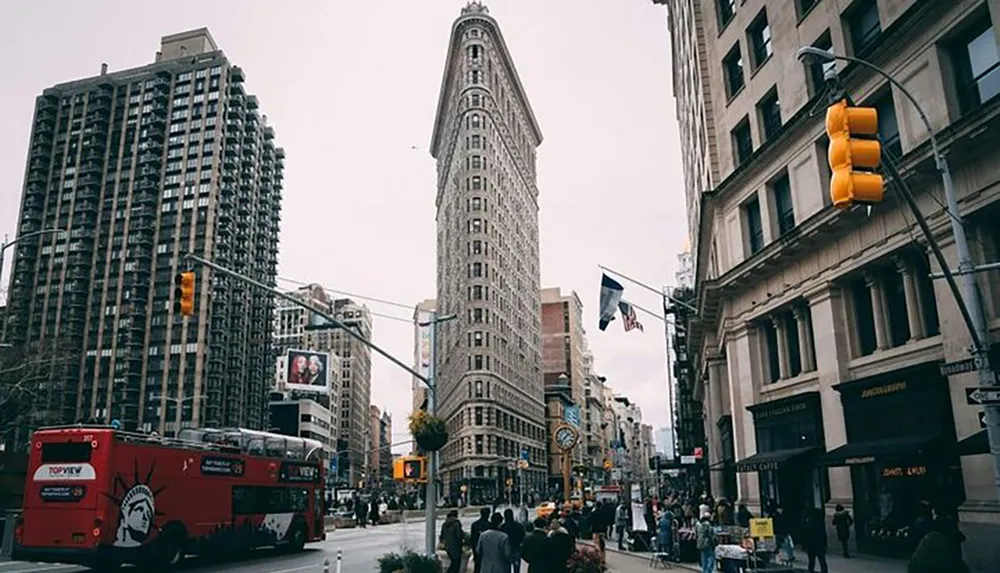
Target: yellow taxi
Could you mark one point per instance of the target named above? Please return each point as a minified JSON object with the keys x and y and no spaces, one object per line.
{"x":545,"y":509}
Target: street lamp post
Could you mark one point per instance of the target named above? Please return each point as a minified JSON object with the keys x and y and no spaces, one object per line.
{"x":430,"y":500}
{"x":968,"y":300}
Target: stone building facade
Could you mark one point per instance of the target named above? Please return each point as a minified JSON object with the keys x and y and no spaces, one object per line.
{"x":820,"y":333}
{"x":489,"y":360}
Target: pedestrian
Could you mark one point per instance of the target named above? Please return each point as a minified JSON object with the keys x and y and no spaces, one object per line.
{"x":665,"y":532}
{"x":558,"y":549}
{"x":360,"y":512}
{"x":477,"y":529}
{"x":494,"y":548}
{"x":373,"y":513}
{"x":452,"y":537}
{"x":599,"y":527}
{"x":705,"y":541}
{"x":533,"y":548}
{"x":515,"y":535}
{"x":814,"y":539}
{"x":842,"y":522}
{"x":621,"y":523}
{"x":743,"y":516}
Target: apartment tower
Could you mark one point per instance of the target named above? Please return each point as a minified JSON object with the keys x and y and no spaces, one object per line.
{"x":140,"y":167}
{"x":488,"y":361}
{"x":355,"y":386}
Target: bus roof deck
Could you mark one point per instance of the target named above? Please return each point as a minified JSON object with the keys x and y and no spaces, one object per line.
{"x":231,"y":440}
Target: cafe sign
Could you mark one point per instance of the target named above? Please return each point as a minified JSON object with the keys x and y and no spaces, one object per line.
{"x":904,"y":471}
{"x":883,"y":390}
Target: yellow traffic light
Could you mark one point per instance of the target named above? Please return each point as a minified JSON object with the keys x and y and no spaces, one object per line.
{"x":847,"y":154}
{"x":409,"y":469}
{"x":184,"y":293}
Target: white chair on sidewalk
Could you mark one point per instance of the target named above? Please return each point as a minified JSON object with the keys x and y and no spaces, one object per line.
{"x":658,"y":556}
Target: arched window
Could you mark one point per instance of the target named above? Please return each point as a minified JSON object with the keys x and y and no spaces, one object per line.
{"x":476,"y":100}
{"x":476,"y":120}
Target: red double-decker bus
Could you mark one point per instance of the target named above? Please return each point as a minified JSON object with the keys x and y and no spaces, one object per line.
{"x":100,"y":497}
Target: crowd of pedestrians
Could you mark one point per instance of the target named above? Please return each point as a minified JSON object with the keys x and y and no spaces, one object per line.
{"x":501,"y":543}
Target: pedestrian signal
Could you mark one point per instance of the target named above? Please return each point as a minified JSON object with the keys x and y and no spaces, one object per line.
{"x":410,"y":469}
{"x":853,"y":159}
{"x":184,"y":293}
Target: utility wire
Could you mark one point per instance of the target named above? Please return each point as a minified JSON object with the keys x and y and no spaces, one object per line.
{"x":362,"y":297}
{"x":349,"y":294}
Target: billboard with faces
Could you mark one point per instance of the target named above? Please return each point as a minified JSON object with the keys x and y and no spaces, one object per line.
{"x":308,"y":371}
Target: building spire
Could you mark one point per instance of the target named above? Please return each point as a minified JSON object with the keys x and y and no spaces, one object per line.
{"x":475,"y":7}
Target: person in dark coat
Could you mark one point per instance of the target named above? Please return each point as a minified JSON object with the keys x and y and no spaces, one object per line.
{"x":814,"y":539}
{"x":842,"y":522}
{"x":373,"y":515}
{"x":360,"y":512}
{"x":452,"y":538}
{"x":534,"y":546}
{"x":515,"y":535}
{"x":558,"y":548}
{"x":478,"y":527}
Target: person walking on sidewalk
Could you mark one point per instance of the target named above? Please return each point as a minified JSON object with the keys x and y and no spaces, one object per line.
{"x":621,"y":523}
{"x":494,"y":549}
{"x":534,"y":546}
{"x":452,"y":537}
{"x":706,"y":541}
{"x":814,"y":539}
{"x":842,"y":522}
{"x":515,"y":535}
{"x":477,"y":529}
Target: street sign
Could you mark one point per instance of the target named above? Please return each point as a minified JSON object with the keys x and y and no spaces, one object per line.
{"x":699,"y":453}
{"x":688,"y":460}
{"x":976,"y":396}
{"x":982,"y":419}
{"x":958,"y":367}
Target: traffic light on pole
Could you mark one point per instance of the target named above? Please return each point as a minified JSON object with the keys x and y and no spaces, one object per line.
{"x":853,"y":159}
{"x":184,"y":293}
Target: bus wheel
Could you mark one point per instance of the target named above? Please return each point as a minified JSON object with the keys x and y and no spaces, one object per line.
{"x":297,"y":538}
{"x":169,"y":550}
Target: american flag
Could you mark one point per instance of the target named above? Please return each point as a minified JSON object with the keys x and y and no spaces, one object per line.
{"x":629,"y":319}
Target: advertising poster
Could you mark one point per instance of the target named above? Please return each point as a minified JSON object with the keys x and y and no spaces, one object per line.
{"x":308,"y":371}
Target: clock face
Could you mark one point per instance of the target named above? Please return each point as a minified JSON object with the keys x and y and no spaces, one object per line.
{"x":565,"y":437}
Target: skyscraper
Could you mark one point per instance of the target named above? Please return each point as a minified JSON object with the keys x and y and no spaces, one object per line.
{"x":140,"y":167}
{"x":488,"y":361}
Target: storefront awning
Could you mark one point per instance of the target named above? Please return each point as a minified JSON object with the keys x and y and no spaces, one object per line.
{"x":974,"y":445}
{"x":770,"y":460}
{"x":859,"y":453}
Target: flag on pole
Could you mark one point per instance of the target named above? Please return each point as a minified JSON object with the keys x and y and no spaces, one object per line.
{"x":611,"y":293}
{"x":629,"y":320}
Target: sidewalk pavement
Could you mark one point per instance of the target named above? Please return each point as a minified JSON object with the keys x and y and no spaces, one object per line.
{"x":626,"y":562}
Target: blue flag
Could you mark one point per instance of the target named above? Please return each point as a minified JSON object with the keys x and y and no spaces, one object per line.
{"x":611,"y":295}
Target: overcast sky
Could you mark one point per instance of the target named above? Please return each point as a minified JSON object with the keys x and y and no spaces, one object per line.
{"x":351,"y":89}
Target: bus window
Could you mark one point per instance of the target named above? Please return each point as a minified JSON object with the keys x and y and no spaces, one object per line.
{"x":269,"y":499}
{"x":66,"y":453}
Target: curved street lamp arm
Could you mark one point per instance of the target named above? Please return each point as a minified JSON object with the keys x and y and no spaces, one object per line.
{"x":7,"y":243}
{"x":920,"y":110}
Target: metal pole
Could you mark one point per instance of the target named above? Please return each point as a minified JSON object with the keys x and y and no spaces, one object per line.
{"x":431,"y":488}
{"x":340,"y":558}
{"x":649,"y":288}
{"x":318,"y":312}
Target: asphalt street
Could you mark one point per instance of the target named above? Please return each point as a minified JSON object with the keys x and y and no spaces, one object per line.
{"x":360,"y":548}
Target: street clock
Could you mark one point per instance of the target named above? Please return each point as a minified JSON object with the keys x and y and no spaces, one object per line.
{"x":566,"y":437}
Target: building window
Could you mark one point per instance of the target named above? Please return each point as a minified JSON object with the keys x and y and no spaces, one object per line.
{"x":773,"y":360}
{"x":792,"y":337}
{"x":977,"y":66}
{"x":895,"y":308}
{"x":864,"y":317}
{"x":825,"y":173}
{"x":732,"y":66}
{"x":479,"y":415}
{"x":863,"y":23}
{"x":781,"y":190}
{"x":742,"y":142}
{"x":726,"y":11}
{"x":817,"y":71}
{"x":888,"y":128}
{"x":769,"y":109}
{"x":759,"y":35}
{"x":755,"y":227}
{"x":477,"y":183}
{"x":804,"y":6}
